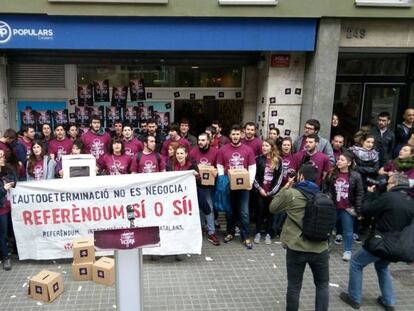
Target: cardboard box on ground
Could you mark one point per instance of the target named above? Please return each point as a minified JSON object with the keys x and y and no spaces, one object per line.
{"x":46,"y":286}
{"x":104,"y":271}
{"x":83,"y":258}
{"x":239,"y":179}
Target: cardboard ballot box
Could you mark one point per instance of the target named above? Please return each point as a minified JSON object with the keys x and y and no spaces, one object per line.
{"x":83,"y":250}
{"x":239,"y":179}
{"x":207,"y":175}
{"x":82,"y":271}
{"x":46,"y":286}
{"x":103,"y":271}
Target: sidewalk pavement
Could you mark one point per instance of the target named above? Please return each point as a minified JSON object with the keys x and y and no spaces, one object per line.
{"x":225,"y":277}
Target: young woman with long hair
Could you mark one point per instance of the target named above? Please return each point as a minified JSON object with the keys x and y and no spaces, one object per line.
{"x":267,"y":182}
{"x":116,"y":162}
{"x":403,"y":164}
{"x":40,"y":165}
{"x":344,"y":185}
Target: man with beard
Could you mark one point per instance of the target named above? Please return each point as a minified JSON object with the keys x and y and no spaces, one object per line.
{"x":149,"y":160}
{"x":152,"y":130}
{"x":221,"y":139}
{"x":185,"y":132}
{"x":337,"y":143}
{"x":117,"y":132}
{"x":312,"y":156}
{"x":312,"y":126}
{"x":96,"y":140}
{"x":173,"y":131}
{"x":402,"y":131}
{"x":384,"y":138}
{"x":205,"y":155}
{"x":132,"y":144}
{"x":251,"y":140}
{"x":60,"y":145}
{"x":237,"y":156}
{"x":28,"y":134}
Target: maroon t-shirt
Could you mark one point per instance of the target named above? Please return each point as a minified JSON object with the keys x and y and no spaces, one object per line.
{"x":204,"y":158}
{"x":96,"y":145}
{"x":255,"y":144}
{"x":342,"y":191}
{"x":337,"y":154}
{"x":132,"y":147}
{"x":187,"y":166}
{"x":60,"y":147}
{"x":38,"y":170}
{"x":181,"y":141}
{"x":148,"y":164}
{"x":318,"y":160}
{"x":27,"y":145}
{"x":235,"y":157}
{"x":268,"y":175}
{"x":115,"y":164}
{"x":390,"y":167}
{"x":6,"y":149}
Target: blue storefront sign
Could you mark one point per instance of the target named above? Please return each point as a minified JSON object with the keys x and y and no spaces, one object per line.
{"x":42,"y":32}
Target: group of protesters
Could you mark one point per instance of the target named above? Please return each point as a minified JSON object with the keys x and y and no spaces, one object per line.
{"x":346,"y":170}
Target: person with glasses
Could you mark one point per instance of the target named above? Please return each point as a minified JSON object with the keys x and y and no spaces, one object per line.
{"x":312,"y":126}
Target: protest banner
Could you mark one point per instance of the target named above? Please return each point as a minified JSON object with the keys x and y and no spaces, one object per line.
{"x":47,"y":215}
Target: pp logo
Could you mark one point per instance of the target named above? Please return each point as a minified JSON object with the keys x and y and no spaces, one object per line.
{"x":5,"y":32}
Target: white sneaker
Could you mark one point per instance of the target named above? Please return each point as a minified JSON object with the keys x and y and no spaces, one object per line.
{"x":347,"y":256}
{"x":338,"y":239}
{"x":257,"y":238}
{"x":236,"y":231}
{"x":268,"y":239}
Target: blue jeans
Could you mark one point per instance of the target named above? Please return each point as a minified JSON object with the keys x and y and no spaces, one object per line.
{"x":347,"y":222}
{"x":295,"y":265}
{"x":207,"y":191}
{"x":4,"y":221}
{"x":359,"y":261}
{"x":239,"y":211}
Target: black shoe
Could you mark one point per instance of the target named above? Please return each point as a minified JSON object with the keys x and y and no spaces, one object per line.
{"x":7,"y":264}
{"x":345,"y":298}
{"x":179,"y":258}
{"x":381,"y":303}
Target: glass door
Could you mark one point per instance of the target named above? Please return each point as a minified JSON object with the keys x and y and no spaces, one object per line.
{"x":378,"y":98}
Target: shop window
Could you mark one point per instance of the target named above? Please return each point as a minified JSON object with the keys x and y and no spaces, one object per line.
{"x":164,"y":75}
{"x":372,"y":65}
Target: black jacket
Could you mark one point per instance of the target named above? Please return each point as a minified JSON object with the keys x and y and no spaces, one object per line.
{"x":355,"y":191}
{"x":392,"y":210}
{"x":383,"y":144}
{"x":260,"y":170}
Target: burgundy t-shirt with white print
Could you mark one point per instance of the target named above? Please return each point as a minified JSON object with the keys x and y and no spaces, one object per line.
{"x":96,"y":145}
{"x":235,"y":157}
{"x":342,"y":191}
{"x":38,"y":170}
{"x":318,"y":160}
{"x":115,"y":164}
{"x":255,"y":144}
{"x":268,"y":175}
{"x":60,"y":147}
{"x":132,"y":147}
{"x":148,"y":163}
{"x":204,"y":158}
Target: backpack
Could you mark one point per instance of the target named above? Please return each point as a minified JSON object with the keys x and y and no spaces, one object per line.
{"x":320,"y":216}
{"x":157,"y":156}
{"x":393,"y":246}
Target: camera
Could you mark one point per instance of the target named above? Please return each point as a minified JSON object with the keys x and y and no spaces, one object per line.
{"x":376,"y":182}
{"x":291,"y":174}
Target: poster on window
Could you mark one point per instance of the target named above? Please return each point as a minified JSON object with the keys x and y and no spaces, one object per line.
{"x":145,"y":112}
{"x":28,"y":117}
{"x":131,"y":115}
{"x":137,"y":89}
{"x":81,"y":116}
{"x":101,"y":90}
{"x":85,"y":95}
{"x":163,"y":120}
{"x":43,"y":117}
{"x":60,"y":117}
{"x":112,"y":114}
{"x":96,"y":111}
{"x":119,"y":96}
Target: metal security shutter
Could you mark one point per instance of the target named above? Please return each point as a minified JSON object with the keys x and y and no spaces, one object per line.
{"x":37,"y":76}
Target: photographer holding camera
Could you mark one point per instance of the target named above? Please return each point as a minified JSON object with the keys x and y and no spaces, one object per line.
{"x":392,"y":211}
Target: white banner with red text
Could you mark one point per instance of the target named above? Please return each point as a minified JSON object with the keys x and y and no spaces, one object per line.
{"x":47,"y":215}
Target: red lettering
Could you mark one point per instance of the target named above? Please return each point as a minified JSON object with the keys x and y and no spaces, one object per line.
{"x":27,"y":218}
{"x":65,"y":215}
{"x":75,"y":215}
{"x":118,"y":212}
{"x":158,"y":209}
{"x":56,"y":216}
{"x":46,"y":216}
{"x":86,"y":214}
{"x":37,"y":217}
{"x":96,"y":214}
{"x":107,"y":212}
{"x":190,"y":208}
{"x":177,"y":208}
